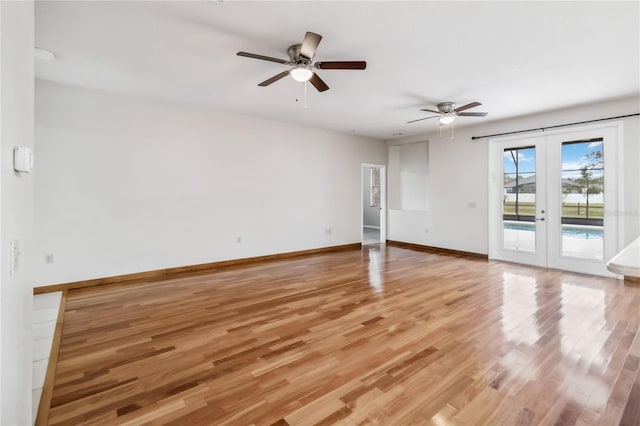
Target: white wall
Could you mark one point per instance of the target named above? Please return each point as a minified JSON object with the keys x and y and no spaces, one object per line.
{"x":16,"y":200}
{"x":128,"y":184}
{"x":459,"y":166}
{"x":370,"y":215}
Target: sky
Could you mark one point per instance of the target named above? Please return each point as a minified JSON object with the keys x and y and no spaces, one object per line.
{"x":573,"y":157}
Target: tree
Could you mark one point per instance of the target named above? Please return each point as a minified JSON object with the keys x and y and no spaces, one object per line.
{"x":514,"y":158}
{"x":589,"y":183}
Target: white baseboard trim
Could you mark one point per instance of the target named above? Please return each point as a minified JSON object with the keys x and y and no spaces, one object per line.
{"x":370,"y":227}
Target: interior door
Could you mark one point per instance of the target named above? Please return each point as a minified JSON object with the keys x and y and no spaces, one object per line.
{"x":554,"y":197}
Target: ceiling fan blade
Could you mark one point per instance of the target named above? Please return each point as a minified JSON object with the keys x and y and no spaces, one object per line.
{"x":309,"y":45}
{"x":472,"y":114}
{"x":264,"y":58}
{"x":318,"y":83}
{"x":341,"y":65}
{"x":274,"y":78}
{"x":420,"y":119}
{"x":430,"y":110}
{"x":467,"y":106}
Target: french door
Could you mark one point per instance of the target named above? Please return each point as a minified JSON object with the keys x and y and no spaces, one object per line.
{"x":553,"y":199}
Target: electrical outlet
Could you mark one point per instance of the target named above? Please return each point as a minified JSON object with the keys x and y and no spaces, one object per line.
{"x":239,"y":240}
{"x":426,"y":230}
{"x":472,"y":204}
{"x":48,"y":258}
{"x":327,"y":231}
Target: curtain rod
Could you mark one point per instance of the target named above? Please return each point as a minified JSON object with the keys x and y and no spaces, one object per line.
{"x":553,"y":127}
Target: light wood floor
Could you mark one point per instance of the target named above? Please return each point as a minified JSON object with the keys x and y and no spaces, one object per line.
{"x":391,"y":337}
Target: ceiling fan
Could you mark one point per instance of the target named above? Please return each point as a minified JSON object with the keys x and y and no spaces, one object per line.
{"x":448,"y":112}
{"x":300,"y":59}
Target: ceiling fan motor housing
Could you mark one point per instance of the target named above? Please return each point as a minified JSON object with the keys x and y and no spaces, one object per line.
{"x":295,"y":58}
{"x":446,"y":107}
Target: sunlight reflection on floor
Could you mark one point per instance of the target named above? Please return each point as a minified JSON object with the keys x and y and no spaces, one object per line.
{"x":375,"y":279}
{"x":582,"y":248}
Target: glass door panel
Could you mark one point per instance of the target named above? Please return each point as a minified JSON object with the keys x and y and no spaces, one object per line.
{"x":583,"y":199}
{"x":519,"y":203}
{"x":517,"y":229}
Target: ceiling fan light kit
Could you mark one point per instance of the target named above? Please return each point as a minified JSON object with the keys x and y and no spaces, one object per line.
{"x":301,"y":74}
{"x":447,"y":118}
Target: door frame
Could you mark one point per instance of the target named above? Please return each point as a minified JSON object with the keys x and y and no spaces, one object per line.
{"x":383,"y":200}
{"x":614,"y":187}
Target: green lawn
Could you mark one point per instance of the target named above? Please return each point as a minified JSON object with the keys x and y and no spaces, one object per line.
{"x":526,"y":209}
{"x":571,"y":210}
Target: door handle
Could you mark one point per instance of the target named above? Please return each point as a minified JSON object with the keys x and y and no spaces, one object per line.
{"x":541,"y":219}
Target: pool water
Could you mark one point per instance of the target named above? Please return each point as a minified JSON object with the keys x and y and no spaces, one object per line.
{"x":584,"y":232}
{"x":591,"y":233}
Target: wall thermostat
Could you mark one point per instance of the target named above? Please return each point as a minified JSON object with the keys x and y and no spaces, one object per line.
{"x":23,"y":159}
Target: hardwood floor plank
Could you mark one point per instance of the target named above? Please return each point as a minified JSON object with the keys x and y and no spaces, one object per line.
{"x":382,"y":335}
{"x":631,"y":414}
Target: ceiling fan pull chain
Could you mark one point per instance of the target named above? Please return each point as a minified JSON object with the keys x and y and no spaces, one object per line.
{"x":305,"y":95}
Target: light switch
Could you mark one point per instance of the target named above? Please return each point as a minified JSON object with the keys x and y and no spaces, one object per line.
{"x":23,"y":159}
{"x":13,"y":257}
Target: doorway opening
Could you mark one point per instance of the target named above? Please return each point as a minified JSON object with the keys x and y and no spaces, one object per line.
{"x":373,"y":204}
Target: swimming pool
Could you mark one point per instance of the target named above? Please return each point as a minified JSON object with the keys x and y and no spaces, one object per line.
{"x":575,"y":231}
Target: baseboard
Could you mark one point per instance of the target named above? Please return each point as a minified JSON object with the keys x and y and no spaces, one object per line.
{"x":42,"y":417}
{"x":203,"y":268}
{"x":370,"y":227}
{"x":438,"y":250}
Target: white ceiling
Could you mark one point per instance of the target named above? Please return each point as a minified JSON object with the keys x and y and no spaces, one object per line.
{"x":514,"y":57}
